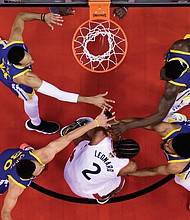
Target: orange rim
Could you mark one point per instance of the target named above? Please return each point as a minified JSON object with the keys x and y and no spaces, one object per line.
{"x":88,"y":68}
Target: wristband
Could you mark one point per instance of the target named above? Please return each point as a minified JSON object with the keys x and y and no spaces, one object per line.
{"x":43,"y":17}
{"x":97,"y":123}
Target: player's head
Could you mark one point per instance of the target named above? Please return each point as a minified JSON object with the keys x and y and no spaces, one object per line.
{"x":126,"y":148}
{"x":18,"y":56}
{"x":181,"y":145}
{"x":172,"y":70}
{"x":27,"y":169}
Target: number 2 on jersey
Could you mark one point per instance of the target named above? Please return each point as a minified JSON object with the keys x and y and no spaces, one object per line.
{"x":86,"y":171}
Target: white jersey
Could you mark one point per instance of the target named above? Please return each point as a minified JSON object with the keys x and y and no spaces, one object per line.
{"x":92,"y":170}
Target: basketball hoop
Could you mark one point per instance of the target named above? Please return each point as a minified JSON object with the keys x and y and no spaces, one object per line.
{"x":99,"y":44}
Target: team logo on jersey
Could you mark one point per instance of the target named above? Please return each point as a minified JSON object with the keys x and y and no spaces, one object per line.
{"x":4,"y":182}
{"x":13,"y":160}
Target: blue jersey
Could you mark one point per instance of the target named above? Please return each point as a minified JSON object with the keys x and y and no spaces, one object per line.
{"x":8,"y":71}
{"x":8,"y":160}
{"x":171,"y":158}
{"x":184,"y":79}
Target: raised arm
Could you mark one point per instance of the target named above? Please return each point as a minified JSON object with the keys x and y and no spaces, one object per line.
{"x":10,"y":200}
{"x":47,"y":153}
{"x":32,"y":80}
{"x":22,"y":17}
{"x":164,"y":106}
{"x":98,"y":100}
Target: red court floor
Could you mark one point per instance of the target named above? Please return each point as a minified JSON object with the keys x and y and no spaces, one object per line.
{"x":134,"y":85}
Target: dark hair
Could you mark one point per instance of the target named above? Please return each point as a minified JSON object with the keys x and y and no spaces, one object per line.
{"x":126,"y":148}
{"x":174,"y":68}
{"x":181,"y":145}
{"x":15,"y":55}
{"x":25,"y":169}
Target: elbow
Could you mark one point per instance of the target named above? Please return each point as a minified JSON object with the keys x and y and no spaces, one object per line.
{"x":134,"y":167}
{"x":21,"y":14}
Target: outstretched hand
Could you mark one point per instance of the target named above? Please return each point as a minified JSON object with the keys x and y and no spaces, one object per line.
{"x":65,"y":11}
{"x":102,"y":120}
{"x":101,"y":101}
{"x":120,"y":12}
{"x":118,"y":128}
{"x":52,"y":19}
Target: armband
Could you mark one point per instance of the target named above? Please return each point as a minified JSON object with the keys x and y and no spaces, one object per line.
{"x":126,"y":9}
{"x":43,"y":17}
{"x":97,"y":123}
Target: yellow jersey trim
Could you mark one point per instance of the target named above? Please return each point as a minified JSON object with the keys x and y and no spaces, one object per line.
{"x":37,"y":158}
{"x":180,"y":52}
{"x":186,"y":36}
{"x":176,"y":83}
{"x":18,"y":66}
{"x":22,"y":73}
{"x":179,"y":161}
{"x":17,"y":183}
{"x":170,"y":133}
{"x":29,"y":95}
{"x":14,"y":42}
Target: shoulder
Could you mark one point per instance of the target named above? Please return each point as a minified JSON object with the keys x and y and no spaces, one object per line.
{"x":176,"y":167}
{"x":164,"y":128}
{"x":171,"y":90}
{"x":182,"y":45}
{"x":14,"y":43}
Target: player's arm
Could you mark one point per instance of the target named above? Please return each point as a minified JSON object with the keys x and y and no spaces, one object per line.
{"x":32,"y":80}
{"x":162,"y":128}
{"x":47,"y":153}
{"x":170,"y":168}
{"x":130,"y":168}
{"x":98,"y":100}
{"x":22,"y":17}
{"x":10,"y":200}
{"x":120,"y":12}
{"x":164,"y":106}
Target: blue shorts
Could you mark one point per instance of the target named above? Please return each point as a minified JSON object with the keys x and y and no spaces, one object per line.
{"x":4,"y":185}
{"x":21,"y":91}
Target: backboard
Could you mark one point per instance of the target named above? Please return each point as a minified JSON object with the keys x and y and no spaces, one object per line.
{"x":114,"y":3}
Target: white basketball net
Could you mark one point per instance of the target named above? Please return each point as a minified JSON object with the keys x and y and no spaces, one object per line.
{"x":88,"y":34}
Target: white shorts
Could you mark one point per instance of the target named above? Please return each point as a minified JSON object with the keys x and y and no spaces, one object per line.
{"x":182,"y":99}
{"x":185,"y":182}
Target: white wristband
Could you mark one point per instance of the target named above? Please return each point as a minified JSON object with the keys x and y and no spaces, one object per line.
{"x":50,"y":90}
